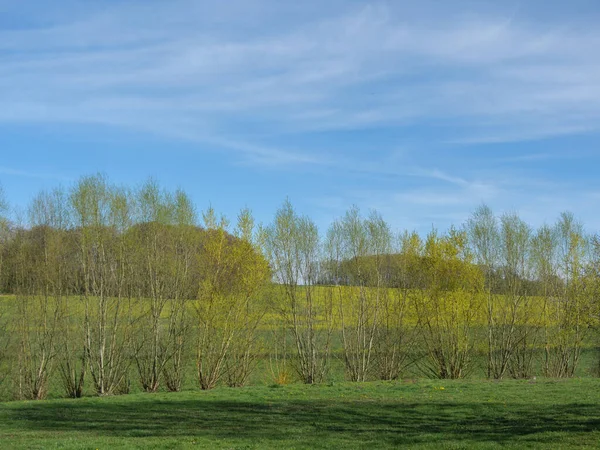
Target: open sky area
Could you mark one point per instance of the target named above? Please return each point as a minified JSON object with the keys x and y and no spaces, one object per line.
{"x":421,"y":110}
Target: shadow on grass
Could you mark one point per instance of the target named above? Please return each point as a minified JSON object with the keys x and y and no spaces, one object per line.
{"x":357,"y":422}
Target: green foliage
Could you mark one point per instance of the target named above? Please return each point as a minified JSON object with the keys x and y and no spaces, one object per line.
{"x":450,"y":305}
{"x":232,"y":274}
{"x":117,"y":290}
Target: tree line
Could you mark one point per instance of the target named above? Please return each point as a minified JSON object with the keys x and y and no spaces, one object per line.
{"x":103,"y":279}
{"x":106,"y":281}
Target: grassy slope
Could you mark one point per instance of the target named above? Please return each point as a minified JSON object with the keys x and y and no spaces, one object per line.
{"x":463,"y":414}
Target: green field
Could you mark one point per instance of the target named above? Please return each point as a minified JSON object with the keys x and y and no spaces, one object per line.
{"x":263,"y":373}
{"x":421,"y":414}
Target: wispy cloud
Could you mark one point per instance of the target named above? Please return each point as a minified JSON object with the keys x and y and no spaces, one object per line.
{"x":197,"y":69}
{"x":444,"y":198}
{"x":417,"y":92}
{"x":535,"y":158}
{"x":29,"y":174}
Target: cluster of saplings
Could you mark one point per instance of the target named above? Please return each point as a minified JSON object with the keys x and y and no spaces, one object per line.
{"x":106,"y":281}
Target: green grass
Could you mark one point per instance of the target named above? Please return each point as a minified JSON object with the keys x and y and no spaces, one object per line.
{"x":464,"y":414}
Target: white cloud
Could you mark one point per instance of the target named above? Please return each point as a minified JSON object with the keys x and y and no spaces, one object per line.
{"x":243,"y":76}
{"x":155,"y":66}
{"x":29,"y":174}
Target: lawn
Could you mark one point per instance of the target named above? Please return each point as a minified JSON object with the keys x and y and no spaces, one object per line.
{"x":421,"y":414}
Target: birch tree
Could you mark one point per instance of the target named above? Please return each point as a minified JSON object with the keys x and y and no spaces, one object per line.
{"x":155,"y":263}
{"x":3,"y":231}
{"x":293,"y":247}
{"x":519,"y":321}
{"x":395,"y":345}
{"x":570,"y":310}
{"x":361,"y":246}
{"x":187,"y":243}
{"x":41,"y":293}
{"x":99,"y":215}
{"x":484,"y":235}
{"x":4,"y":238}
{"x":544,"y":250}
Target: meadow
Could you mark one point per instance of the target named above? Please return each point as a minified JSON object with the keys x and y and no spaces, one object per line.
{"x":447,"y":414}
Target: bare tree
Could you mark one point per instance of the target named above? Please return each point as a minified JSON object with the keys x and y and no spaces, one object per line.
{"x":361,"y":246}
{"x":293,"y":247}
{"x":3,"y":232}
{"x":156,"y":265}
{"x":544,"y":262}
{"x":570,"y":310}
{"x":41,"y":293}
{"x":395,"y":345}
{"x":4,"y":237}
{"x":187,"y":243}
{"x":484,"y":236}
{"x":519,"y":322}
{"x":100,"y":215}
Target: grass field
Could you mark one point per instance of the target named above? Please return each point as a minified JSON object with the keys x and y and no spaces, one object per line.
{"x":422,"y":414}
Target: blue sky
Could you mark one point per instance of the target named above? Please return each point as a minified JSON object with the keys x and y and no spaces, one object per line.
{"x":421,"y":112}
